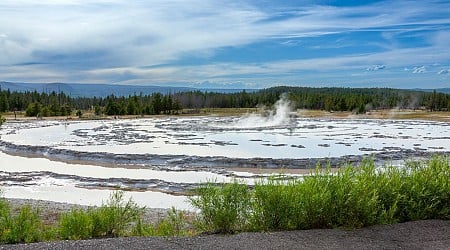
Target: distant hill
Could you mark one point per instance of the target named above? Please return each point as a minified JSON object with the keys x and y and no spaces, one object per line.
{"x":445,"y":90}
{"x":441,"y":90}
{"x":100,"y":90}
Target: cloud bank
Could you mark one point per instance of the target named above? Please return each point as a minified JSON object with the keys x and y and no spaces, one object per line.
{"x":189,"y":42}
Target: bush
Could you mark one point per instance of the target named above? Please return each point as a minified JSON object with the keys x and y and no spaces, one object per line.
{"x":273,"y":207}
{"x":79,"y":113}
{"x":5,"y":215}
{"x":2,"y":120}
{"x":223,"y":208}
{"x":116,"y":217}
{"x":75,"y":225}
{"x":25,"y":227}
{"x":175,"y":224}
{"x":425,"y":191}
{"x":351,"y":198}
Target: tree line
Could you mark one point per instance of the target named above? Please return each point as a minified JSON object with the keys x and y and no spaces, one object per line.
{"x":358,"y":100}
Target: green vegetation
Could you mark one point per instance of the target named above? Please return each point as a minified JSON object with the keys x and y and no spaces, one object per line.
{"x":23,"y":227}
{"x":115,"y":218}
{"x":2,"y":120}
{"x":357,"y":100}
{"x":177,"y":223}
{"x":223,"y":208}
{"x":353,"y":197}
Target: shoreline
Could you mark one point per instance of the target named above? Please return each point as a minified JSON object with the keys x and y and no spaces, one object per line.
{"x":393,"y":114}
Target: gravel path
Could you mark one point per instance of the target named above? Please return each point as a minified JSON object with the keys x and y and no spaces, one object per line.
{"x":429,"y":234}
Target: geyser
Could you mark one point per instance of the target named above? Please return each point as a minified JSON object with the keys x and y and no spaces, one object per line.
{"x":278,"y":116}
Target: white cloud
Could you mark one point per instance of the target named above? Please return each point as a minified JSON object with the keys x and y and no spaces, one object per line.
{"x":419,"y":70}
{"x":376,"y":67}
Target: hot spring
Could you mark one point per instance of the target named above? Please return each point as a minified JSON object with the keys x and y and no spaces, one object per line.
{"x":156,"y":160}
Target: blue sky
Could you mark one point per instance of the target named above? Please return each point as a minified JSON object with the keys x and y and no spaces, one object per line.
{"x":227,"y":44}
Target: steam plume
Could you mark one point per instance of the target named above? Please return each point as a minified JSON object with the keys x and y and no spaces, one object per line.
{"x":277,"y":116}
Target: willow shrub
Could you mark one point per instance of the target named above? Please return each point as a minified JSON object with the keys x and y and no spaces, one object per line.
{"x":76,"y":225}
{"x":224,"y":208}
{"x":426,"y":191}
{"x":114,"y":218}
{"x":24,"y":227}
{"x":175,"y":224}
{"x":351,"y":198}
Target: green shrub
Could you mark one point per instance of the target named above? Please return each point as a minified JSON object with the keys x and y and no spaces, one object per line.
{"x":5,"y":215}
{"x":426,"y":190}
{"x":223,"y":208}
{"x":116,"y":217}
{"x":353,"y":197}
{"x":25,"y":227}
{"x":75,"y":225}
{"x":175,"y":224}
{"x":273,"y":206}
{"x":313,"y":202}
{"x":2,"y":120}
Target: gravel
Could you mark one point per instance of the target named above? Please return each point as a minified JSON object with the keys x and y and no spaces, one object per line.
{"x":428,"y":234}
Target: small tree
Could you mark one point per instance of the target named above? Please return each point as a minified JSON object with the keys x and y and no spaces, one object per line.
{"x":157,"y":103}
{"x":2,"y":120}
{"x":361,"y":109}
{"x":97,"y":110}
{"x":34,"y":109}
{"x":4,"y":105}
{"x":79,"y":113}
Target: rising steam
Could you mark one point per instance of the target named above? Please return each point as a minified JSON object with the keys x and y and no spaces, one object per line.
{"x":278,"y":116}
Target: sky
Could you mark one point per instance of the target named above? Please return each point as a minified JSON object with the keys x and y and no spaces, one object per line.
{"x":227,"y":44}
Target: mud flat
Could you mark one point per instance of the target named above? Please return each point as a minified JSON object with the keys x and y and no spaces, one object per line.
{"x":163,"y":158}
{"x":215,"y":163}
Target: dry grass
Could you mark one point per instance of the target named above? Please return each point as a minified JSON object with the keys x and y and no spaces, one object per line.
{"x":377,"y":114}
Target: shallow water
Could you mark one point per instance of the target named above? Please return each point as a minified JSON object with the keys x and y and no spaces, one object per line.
{"x":155,"y":158}
{"x":210,"y":136}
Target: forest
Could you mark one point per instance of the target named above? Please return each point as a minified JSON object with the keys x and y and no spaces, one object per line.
{"x":357,"y":100}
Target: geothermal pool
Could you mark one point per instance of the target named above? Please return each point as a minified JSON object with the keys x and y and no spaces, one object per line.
{"x":158,"y":160}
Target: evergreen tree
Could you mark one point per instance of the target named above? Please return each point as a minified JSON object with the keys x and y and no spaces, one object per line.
{"x":97,"y":110}
{"x":34,"y":109}
{"x":4,"y":104}
{"x":2,"y":120}
{"x":157,"y":103}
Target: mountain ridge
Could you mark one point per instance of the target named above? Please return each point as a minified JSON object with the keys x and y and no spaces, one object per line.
{"x":101,"y":90}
